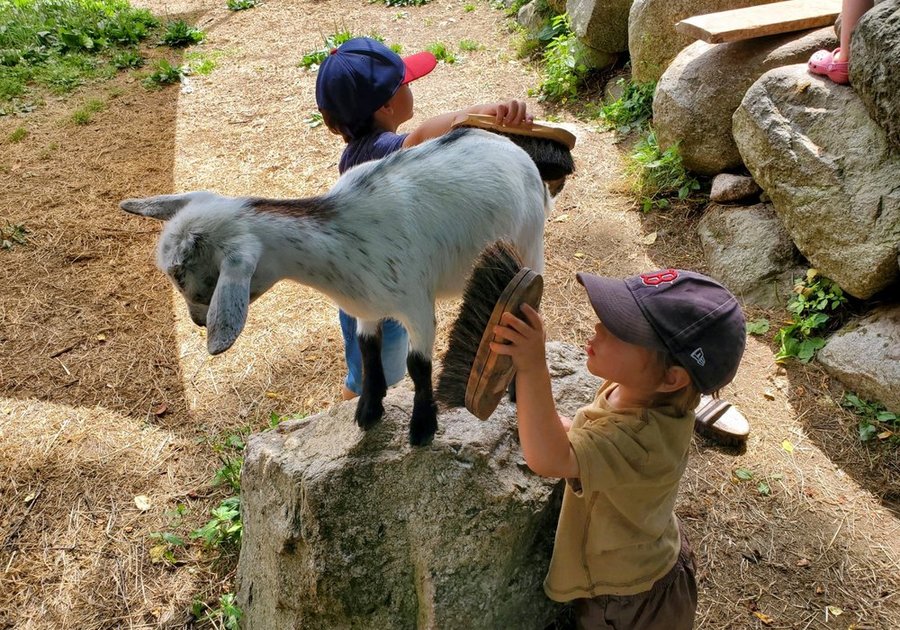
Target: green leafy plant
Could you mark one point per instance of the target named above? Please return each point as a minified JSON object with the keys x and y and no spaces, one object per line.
{"x":127,"y":59}
{"x":631,"y":111}
{"x":468,"y":7}
{"x":179,"y":34}
{"x":202,"y":63}
{"x":441,"y":52}
{"x":164,"y":74}
{"x":312,"y":59}
{"x":469,"y":45}
{"x":816,"y":299}
{"x":660,"y":175}
{"x":168,"y":543}
{"x":18,"y":134}
{"x":564,"y":70}
{"x":85,"y":113}
{"x":240,"y":5}
{"x":13,"y":234}
{"x":226,"y":614}
{"x":314,"y":120}
{"x":225,"y":528}
{"x":874,"y":419}
{"x":758,"y":327}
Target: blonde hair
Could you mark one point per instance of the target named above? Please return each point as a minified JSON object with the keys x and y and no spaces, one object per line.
{"x":685,"y":399}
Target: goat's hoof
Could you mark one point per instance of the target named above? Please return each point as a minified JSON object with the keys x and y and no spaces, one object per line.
{"x":368,"y":412}
{"x":423,"y":424}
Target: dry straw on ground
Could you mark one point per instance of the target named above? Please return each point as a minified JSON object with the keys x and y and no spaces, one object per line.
{"x":108,"y":394}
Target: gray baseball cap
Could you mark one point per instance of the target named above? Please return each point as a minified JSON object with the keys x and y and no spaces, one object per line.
{"x":689,"y":315}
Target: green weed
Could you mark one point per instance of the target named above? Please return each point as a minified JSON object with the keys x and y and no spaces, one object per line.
{"x":226,"y":614}
{"x":441,"y":52}
{"x":18,"y":134}
{"x":314,"y":120}
{"x":164,"y":74}
{"x":633,"y":110}
{"x":179,"y":34}
{"x":13,"y":234}
{"x":312,"y":59}
{"x":469,"y":45}
{"x":83,"y":115}
{"x":202,"y":63}
{"x":225,"y":528}
{"x":815,"y":301}
{"x":564,"y":70}
{"x":874,"y":419}
{"x":758,"y":327}
{"x":469,"y":7}
{"x":660,"y":174}
{"x":240,"y":5}
{"x":59,"y":43}
{"x":127,"y":59}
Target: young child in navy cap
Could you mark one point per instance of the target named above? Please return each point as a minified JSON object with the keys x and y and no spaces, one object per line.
{"x":663,"y":339}
{"x":362,"y":91}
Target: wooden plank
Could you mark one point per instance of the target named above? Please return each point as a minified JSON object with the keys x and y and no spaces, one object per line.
{"x":760,"y":20}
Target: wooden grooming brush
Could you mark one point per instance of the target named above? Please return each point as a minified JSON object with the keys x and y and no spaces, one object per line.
{"x":472,"y":374}
{"x":549,"y":147}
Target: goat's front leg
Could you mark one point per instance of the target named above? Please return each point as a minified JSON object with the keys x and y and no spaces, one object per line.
{"x":370,"y":408}
{"x":423,"y":422}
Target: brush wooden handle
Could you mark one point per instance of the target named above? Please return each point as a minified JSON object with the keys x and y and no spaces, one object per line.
{"x":491,"y":372}
{"x":536,"y":130}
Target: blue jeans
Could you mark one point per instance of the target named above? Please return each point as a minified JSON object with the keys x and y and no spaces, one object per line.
{"x":394,"y":348}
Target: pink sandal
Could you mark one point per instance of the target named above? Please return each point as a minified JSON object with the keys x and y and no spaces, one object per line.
{"x":822,"y":62}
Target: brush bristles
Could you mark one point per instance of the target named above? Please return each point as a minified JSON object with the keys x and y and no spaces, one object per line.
{"x":553,"y":159}
{"x":495,"y":268}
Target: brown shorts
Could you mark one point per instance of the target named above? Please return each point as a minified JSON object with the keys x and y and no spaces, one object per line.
{"x":670,"y":604}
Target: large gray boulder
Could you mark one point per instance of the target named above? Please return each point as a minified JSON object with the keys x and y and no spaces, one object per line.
{"x":748,"y":250}
{"x":653,"y":41}
{"x":345,"y":529}
{"x":698,"y":93}
{"x":600,"y":24}
{"x":875,"y":67}
{"x":830,"y":173}
{"x":865,"y":356}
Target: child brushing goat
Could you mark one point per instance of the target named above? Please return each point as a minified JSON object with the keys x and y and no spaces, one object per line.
{"x":387,"y":240}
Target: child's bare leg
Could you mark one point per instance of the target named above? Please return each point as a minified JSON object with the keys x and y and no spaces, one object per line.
{"x":851,"y":11}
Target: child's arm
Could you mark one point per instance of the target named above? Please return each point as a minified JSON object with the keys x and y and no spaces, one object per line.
{"x":542,"y":434}
{"x":511,"y":113}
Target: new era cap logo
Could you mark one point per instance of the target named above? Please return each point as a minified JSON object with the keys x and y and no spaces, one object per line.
{"x":659,"y":277}
{"x":697,"y":355}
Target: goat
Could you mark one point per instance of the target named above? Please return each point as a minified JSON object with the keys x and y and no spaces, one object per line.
{"x":389,"y":238}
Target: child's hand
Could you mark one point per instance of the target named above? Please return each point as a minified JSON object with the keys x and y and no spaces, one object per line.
{"x":524,"y":340}
{"x":511,"y":113}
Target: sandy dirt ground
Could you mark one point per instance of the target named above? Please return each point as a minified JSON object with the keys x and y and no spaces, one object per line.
{"x":107,"y":392}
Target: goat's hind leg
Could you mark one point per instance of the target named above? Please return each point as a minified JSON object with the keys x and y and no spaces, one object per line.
{"x":370,"y":407}
{"x":423,"y":423}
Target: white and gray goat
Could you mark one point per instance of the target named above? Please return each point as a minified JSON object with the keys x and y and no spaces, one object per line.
{"x":388,"y":239}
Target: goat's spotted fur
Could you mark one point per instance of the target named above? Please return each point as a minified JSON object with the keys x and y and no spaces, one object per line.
{"x":387,"y":240}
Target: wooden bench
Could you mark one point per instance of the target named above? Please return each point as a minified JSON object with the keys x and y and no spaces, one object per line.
{"x":761,"y":20}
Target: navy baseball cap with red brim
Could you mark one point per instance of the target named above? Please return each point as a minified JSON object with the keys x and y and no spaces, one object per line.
{"x":361,"y":75}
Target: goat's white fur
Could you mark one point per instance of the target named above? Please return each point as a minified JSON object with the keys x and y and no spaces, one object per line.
{"x":388,"y":239}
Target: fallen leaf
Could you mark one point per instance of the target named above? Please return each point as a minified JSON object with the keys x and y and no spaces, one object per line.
{"x":158,"y":554}
{"x":101,"y":337}
{"x":885,"y":435}
{"x":160,"y":409}
{"x":579,"y":254}
{"x":786,"y":445}
{"x":561,"y":218}
{"x":769,"y":394}
{"x":743,"y":474}
{"x":834,"y":610}
{"x":649,"y":239}
{"x":820,"y":589}
{"x":142,"y":502}
{"x":766,"y":619}
{"x":273,"y":395}
{"x":29,"y":498}
{"x":803,"y":562}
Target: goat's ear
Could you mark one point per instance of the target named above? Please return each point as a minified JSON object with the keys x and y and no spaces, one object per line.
{"x":230,"y":301}
{"x":162,"y":207}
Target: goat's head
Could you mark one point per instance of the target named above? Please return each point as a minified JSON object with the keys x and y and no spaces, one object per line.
{"x":209,"y":260}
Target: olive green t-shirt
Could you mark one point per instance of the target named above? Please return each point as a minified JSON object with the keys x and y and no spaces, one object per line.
{"x":617,"y":531}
